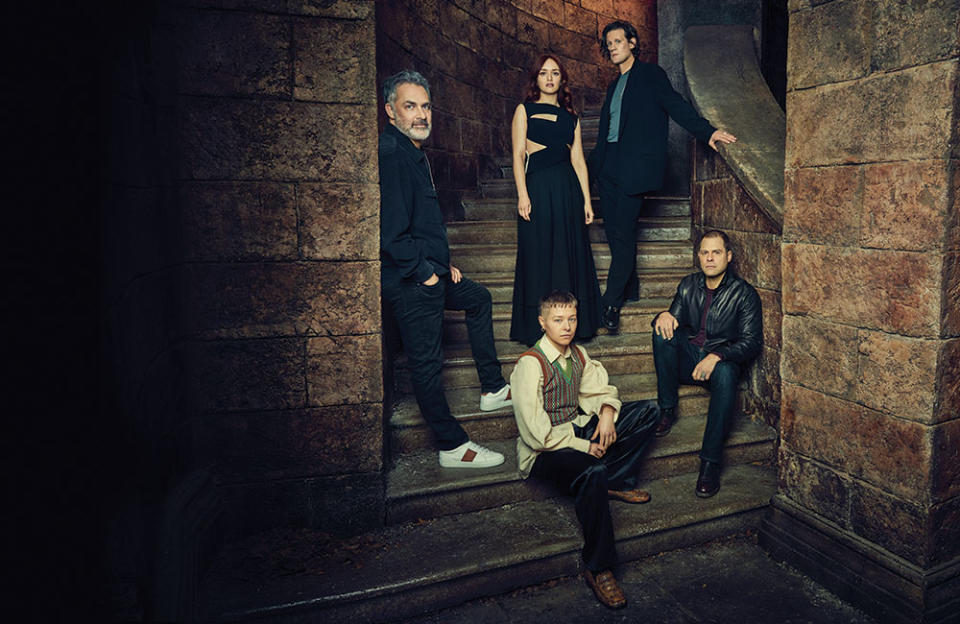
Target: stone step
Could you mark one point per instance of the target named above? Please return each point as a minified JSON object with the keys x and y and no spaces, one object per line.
{"x":402,"y":571}
{"x":654,"y":283}
{"x":483,"y":258}
{"x":417,"y":487}
{"x":410,"y":433}
{"x":505,"y":231}
{"x":505,"y":208}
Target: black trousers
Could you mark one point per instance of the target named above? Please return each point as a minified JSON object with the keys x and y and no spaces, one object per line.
{"x":620,"y":213}
{"x":418,"y":310}
{"x":587,"y":478}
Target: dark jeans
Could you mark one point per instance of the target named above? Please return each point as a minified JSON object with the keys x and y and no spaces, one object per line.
{"x":418,"y":310}
{"x":620,"y":213}
{"x":675,"y":360}
{"x":587,"y":478}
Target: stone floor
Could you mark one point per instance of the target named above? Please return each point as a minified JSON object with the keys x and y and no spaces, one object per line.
{"x":732,"y":581}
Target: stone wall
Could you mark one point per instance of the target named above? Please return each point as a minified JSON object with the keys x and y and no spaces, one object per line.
{"x":719,"y":201}
{"x":476,"y":55}
{"x":871,"y":329}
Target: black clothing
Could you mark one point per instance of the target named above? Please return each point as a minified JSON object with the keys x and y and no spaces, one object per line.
{"x":553,"y":248}
{"x":734,"y":322}
{"x":620,"y":214}
{"x":413,"y":238}
{"x":413,"y":246}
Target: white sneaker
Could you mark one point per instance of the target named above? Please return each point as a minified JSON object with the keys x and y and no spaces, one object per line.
{"x":495,"y":400}
{"x":470,"y":455}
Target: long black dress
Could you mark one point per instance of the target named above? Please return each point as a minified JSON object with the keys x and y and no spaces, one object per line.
{"x":553,"y":249}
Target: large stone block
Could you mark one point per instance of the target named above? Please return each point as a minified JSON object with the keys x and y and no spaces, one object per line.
{"x":339,"y":221}
{"x":765,"y":376}
{"x":579,"y":20}
{"x":276,"y":299}
{"x":549,"y":10}
{"x":953,"y":210}
{"x":948,"y":382}
{"x":829,"y":44}
{"x":903,"y":115}
{"x":600,"y":6}
{"x":233,"y":53}
{"x":904,"y":205}
{"x":822,"y":205}
{"x":945,"y":539}
{"x":533,"y":31}
{"x":913,"y":33}
{"x":332,"y":61}
{"x":344,"y":369}
{"x":459,"y":26}
{"x":227,"y":375}
{"x":888,"y":452}
{"x":813,"y":486}
{"x":342,"y":9}
{"x":575,"y":45}
{"x":898,"y":525}
{"x":885,"y":290}
{"x":772,"y":317}
{"x":756,"y":258}
{"x":950,"y":312}
{"x":242,"y":140}
{"x":897,"y":375}
{"x":946,"y":460}
{"x":238,"y":221}
{"x":727,"y":206}
{"x":261,"y":446}
{"x":820,"y":355}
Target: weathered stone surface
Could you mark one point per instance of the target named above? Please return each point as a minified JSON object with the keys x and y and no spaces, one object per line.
{"x":765,"y":376}
{"x":912,"y":33}
{"x":903,"y":115}
{"x":344,"y":369}
{"x":233,"y":53}
{"x":727,"y":206}
{"x":275,"y":299}
{"x":822,"y":205}
{"x":332,"y":61}
{"x":946,"y":460}
{"x":888,"y":452}
{"x":953,"y":210}
{"x":813,"y":486}
{"x":460,"y":27}
{"x":579,"y":20}
{"x":342,"y":9}
{"x":904,"y":205}
{"x":708,"y":164}
{"x":948,"y":382}
{"x":950,"y":309}
{"x":756,"y":258}
{"x":829,"y":44}
{"x":240,"y":139}
{"x":820,"y":355}
{"x":238,"y":221}
{"x":898,"y":525}
{"x":599,"y":6}
{"x":246,"y":374}
{"x":897,"y":375}
{"x":886,"y":290}
{"x":269,"y":6}
{"x":772,"y":317}
{"x":945,"y":538}
{"x":339,"y":221}
{"x":575,"y":45}
{"x":533,"y":31}
{"x":259,"y":446}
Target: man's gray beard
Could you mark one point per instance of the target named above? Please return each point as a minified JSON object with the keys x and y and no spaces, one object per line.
{"x":418,"y":133}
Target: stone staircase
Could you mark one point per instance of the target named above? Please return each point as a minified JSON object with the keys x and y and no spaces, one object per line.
{"x":453,"y":535}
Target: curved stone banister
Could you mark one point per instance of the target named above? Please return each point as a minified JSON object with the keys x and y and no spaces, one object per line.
{"x":727,"y":88}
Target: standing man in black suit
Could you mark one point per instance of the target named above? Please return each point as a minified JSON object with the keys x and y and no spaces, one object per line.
{"x":630,"y":156}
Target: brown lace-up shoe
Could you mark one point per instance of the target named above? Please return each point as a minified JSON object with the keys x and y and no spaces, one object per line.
{"x":606,"y":588}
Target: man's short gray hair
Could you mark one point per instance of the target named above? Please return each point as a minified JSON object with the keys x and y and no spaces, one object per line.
{"x":407,"y":76}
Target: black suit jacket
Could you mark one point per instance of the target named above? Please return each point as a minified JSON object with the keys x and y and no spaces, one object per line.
{"x":647,"y":100}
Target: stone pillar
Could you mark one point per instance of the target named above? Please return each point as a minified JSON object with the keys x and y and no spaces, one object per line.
{"x":869,"y":468}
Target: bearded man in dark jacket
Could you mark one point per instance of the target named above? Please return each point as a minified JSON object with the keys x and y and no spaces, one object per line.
{"x":711,"y":331}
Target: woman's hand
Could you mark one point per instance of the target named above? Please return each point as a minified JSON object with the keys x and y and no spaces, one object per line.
{"x":523,"y":208}
{"x":596,"y":450}
{"x":587,"y":213}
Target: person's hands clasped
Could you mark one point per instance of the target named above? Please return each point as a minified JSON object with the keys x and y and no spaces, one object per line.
{"x":523,"y":208}
{"x":665,"y":325}
{"x":596,"y":450}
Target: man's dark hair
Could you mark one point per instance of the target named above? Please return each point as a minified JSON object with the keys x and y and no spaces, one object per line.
{"x":557,"y":298}
{"x":716,"y":234}
{"x":407,"y":76}
{"x":628,"y":30}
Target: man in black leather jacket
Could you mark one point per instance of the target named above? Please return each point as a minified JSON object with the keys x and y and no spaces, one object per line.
{"x":711,"y":331}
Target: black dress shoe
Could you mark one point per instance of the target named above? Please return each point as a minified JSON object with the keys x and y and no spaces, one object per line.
{"x":667,"y":418}
{"x":708,"y":483}
{"x":611,"y":318}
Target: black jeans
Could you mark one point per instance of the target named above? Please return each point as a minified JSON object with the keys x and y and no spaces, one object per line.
{"x":418,"y":310}
{"x":620,"y":213}
{"x":675,"y":360}
{"x":587,"y":478}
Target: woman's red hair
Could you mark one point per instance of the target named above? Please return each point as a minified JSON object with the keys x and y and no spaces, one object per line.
{"x":564,"y":96}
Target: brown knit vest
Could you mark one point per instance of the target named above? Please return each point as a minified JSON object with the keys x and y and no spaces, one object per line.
{"x":560,"y":396}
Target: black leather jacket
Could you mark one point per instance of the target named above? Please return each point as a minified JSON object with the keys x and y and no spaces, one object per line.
{"x":734,"y":321}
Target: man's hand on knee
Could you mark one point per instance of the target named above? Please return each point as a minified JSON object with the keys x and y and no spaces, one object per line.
{"x":704,"y":367}
{"x":665,"y":325}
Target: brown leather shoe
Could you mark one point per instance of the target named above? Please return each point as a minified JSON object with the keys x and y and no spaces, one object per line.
{"x":667,"y":418}
{"x":637,"y":497}
{"x":606,"y":588}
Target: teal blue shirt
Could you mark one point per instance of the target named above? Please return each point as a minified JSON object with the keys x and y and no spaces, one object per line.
{"x":613,"y":134}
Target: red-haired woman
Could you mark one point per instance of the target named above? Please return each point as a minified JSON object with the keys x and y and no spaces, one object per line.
{"x":553,"y":249}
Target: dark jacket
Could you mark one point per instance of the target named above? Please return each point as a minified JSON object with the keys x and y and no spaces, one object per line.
{"x":413,"y":238}
{"x":647,"y":100}
{"x":734,"y":322}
